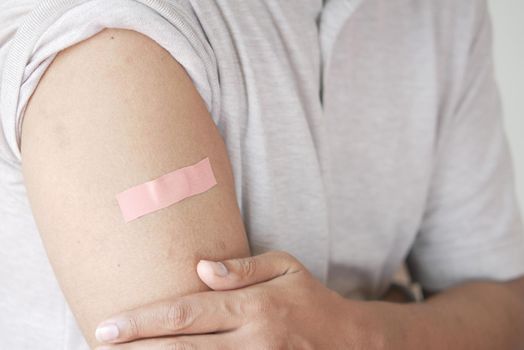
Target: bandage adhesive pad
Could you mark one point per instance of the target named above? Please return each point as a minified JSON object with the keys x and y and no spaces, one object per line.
{"x":166,"y":190}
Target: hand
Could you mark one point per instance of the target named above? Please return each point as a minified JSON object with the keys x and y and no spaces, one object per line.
{"x":268,"y":301}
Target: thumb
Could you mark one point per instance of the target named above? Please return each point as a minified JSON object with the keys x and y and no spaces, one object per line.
{"x":238,"y":273}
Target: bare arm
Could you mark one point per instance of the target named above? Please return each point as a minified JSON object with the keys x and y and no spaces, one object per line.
{"x":112,"y":112}
{"x":477,"y":315}
{"x":482,"y":315}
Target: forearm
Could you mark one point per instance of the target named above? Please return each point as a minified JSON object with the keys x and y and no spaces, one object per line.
{"x":478,"y":316}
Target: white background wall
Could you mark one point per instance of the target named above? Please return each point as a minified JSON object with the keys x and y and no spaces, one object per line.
{"x":508,"y":23}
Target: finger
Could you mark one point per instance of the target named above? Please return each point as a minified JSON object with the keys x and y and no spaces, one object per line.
{"x":192,"y":314}
{"x":222,"y":341}
{"x":238,"y":273}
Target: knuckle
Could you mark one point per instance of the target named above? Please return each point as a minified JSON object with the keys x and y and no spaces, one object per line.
{"x":254,"y":305}
{"x":272,"y":343}
{"x":248,"y":267}
{"x":179,"y":315}
{"x":285,"y":255}
{"x":289,"y":257}
{"x":179,"y":346}
{"x":261,"y":303}
{"x":294,"y":263}
{"x":134,"y":327}
{"x":268,"y":335}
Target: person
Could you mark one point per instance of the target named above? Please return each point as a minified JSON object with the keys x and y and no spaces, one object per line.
{"x":346,"y":137}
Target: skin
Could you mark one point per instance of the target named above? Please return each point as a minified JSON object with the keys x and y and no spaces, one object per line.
{"x":110,"y":113}
{"x":118,"y":109}
{"x":272,"y":302}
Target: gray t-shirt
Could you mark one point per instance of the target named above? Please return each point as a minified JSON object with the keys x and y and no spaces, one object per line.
{"x":361,"y":133}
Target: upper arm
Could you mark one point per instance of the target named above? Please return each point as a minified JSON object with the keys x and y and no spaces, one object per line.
{"x":112,"y":112}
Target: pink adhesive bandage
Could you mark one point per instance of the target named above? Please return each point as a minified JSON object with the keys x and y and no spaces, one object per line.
{"x":166,"y":190}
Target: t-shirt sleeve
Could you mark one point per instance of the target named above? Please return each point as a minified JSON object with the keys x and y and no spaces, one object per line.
{"x":472,"y":228}
{"x":53,"y":26}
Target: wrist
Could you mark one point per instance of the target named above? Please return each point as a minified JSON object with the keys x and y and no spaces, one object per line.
{"x":371,"y":325}
{"x":402,"y":326}
{"x":417,"y":324}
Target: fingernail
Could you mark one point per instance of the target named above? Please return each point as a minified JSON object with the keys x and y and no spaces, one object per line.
{"x":219,"y":269}
{"x":107,"y":332}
